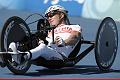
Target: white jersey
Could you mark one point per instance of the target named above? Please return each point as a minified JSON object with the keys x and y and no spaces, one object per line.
{"x":64,"y":31}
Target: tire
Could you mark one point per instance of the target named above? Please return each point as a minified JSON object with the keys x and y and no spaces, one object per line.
{"x":106,"y":44}
{"x":14,"y":30}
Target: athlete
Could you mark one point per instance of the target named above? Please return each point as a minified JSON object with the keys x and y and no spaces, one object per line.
{"x":65,"y":36}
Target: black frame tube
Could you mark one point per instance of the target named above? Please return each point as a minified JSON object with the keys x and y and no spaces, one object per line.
{"x":82,"y":54}
{"x":87,"y":42}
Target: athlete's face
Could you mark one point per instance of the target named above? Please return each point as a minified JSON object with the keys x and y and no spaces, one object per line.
{"x":55,"y":18}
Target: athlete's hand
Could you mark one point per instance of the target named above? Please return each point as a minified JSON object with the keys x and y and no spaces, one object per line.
{"x":59,"y":41}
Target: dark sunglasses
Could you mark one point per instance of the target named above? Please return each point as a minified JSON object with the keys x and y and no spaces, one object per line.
{"x":52,"y":13}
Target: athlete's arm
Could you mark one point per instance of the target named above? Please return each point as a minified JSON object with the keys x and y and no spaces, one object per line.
{"x":73,"y":38}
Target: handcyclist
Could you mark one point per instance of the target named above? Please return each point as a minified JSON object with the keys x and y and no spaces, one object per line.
{"x":65,"y":36}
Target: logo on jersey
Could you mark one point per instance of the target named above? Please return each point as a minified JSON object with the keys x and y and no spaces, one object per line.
{"x":63,"y":29}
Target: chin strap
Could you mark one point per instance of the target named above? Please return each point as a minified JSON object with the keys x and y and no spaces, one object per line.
{"x":52,"y":35}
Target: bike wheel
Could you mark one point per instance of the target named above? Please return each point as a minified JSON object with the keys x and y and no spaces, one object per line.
{"x":14,"y":30}
{"x":106,"y":44}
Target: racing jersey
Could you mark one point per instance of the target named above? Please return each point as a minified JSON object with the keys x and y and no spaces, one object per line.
{"x":64,"y":31}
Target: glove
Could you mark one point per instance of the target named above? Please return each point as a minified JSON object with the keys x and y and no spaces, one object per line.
{"x":59,"y":41}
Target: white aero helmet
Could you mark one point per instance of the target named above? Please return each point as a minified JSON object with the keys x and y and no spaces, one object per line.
{"x":56,"y":7}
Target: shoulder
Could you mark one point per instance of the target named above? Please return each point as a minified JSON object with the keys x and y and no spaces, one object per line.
{"x":71,"y":25}
{"x":75,"y":27}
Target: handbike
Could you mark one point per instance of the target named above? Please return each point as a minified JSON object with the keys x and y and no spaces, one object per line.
{"x":105,"y":44}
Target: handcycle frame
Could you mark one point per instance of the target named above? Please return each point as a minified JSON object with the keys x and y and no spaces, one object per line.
{"x":74,"y":57}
